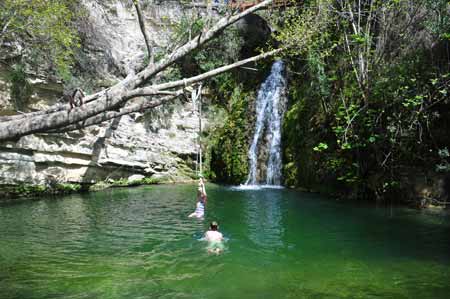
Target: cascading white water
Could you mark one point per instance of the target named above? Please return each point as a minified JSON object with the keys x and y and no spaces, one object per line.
{"x":269,"y":111}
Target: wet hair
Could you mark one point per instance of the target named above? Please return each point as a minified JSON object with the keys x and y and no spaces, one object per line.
{"x":214,"y":225}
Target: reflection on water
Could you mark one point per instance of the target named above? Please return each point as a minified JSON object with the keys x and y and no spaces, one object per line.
{"x":263,"y":218}
{"x":139,"y":243}
{"x":255,"y":187}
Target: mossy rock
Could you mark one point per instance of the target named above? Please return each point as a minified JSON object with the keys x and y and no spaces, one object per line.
{"x":228,"y":152}
{"x":28,"y":190}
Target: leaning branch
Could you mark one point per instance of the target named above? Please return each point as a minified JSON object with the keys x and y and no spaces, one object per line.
{"x":63,"y":119}
{"x":189,"y":81}
{"x":138,"y":79}
{"x":196,"y":42}
{"x":61,"y":107}
{"x":113,"y":97}
{"x":144,"y":32}
{"x":54,"y":108}
{"x":140,"y":105}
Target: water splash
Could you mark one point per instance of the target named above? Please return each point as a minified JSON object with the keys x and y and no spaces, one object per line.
{"x":269,"y":112}
{"x":254,"y":187}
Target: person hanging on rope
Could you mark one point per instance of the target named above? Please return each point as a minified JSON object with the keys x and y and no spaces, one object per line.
{"x":201,"y":200}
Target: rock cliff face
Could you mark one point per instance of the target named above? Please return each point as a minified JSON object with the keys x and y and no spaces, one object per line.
{"x":160,"y":144}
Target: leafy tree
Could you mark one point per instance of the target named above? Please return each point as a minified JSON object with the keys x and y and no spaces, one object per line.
{"x":383,"y":88}
{"x":43,"y":28}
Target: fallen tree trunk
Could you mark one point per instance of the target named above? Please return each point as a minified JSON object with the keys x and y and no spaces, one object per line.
{"x":140,"y":105}
{"x":116,"y":96}
{"x":143,"y":104}
{"x":189,"y":81}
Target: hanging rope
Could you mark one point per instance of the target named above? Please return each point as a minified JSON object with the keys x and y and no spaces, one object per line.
{"x":196,"y":98}
{"x":199,"y":96}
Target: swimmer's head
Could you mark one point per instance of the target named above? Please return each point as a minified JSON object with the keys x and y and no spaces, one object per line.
{"x":214,"y":225}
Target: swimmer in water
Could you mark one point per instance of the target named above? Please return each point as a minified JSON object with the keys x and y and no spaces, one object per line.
{"x":214,"y":239}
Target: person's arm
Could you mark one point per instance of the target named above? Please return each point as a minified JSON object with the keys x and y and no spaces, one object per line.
{"x":203,"y":187}
{"x":204,"y":190}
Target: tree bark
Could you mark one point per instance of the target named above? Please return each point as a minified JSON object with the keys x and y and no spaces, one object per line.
{"x":189,"y":81}
{"x":152,"y":70}
{"x":140,"y":105}
{"x":159,"y":89}
{"x":116,"y":96}
{"x":148,"y":42}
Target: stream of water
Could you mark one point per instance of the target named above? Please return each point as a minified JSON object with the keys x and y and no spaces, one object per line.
{"x":269,"y":112}
{"x":139,"y":243}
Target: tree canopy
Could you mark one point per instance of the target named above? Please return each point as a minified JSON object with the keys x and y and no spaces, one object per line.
{"x":44,"y":29}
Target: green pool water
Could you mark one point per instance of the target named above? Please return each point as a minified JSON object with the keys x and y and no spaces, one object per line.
{"x":138,"y":243}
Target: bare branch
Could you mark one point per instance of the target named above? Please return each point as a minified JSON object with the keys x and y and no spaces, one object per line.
{"x":195,"y":43}
{"x":115,"y":96}
{"x":201,"y":77}
{"x":64,"y":106}
{"x":140,"y":105}
{"x":148,"y":42}
{"x":54,"y":108}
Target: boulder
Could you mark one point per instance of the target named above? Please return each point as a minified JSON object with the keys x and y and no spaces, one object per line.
{"x":135,"y":177}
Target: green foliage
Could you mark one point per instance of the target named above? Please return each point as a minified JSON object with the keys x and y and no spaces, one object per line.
{"x":439,"y":21}
{"x":302,"y":27}
{"x":220,"y":51}
{"x":216,"y":53}
{"x":357,"y":131}
{"x":67,"y":188}
{"x":20,"y":87}
{"x":30,"y":190}
{"x":46,"y":27}
{"x":320,"y":147}
{"x":186,"y":29}
{"x":123,"y":182}
{"x":150,"y":181}
{"x":229,"y":151}
{"x":27,"y":190}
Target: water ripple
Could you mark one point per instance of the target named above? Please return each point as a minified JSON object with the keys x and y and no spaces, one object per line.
{"x":139,"y":243}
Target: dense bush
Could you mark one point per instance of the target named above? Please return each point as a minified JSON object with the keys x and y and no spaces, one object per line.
{"x":230,"y":144}
{"x":368,"y":96}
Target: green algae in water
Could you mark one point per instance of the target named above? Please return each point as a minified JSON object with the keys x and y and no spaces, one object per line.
{"x":139,"y":243}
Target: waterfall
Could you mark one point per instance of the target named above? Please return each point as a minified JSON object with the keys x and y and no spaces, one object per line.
{"x":270,"y":104}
